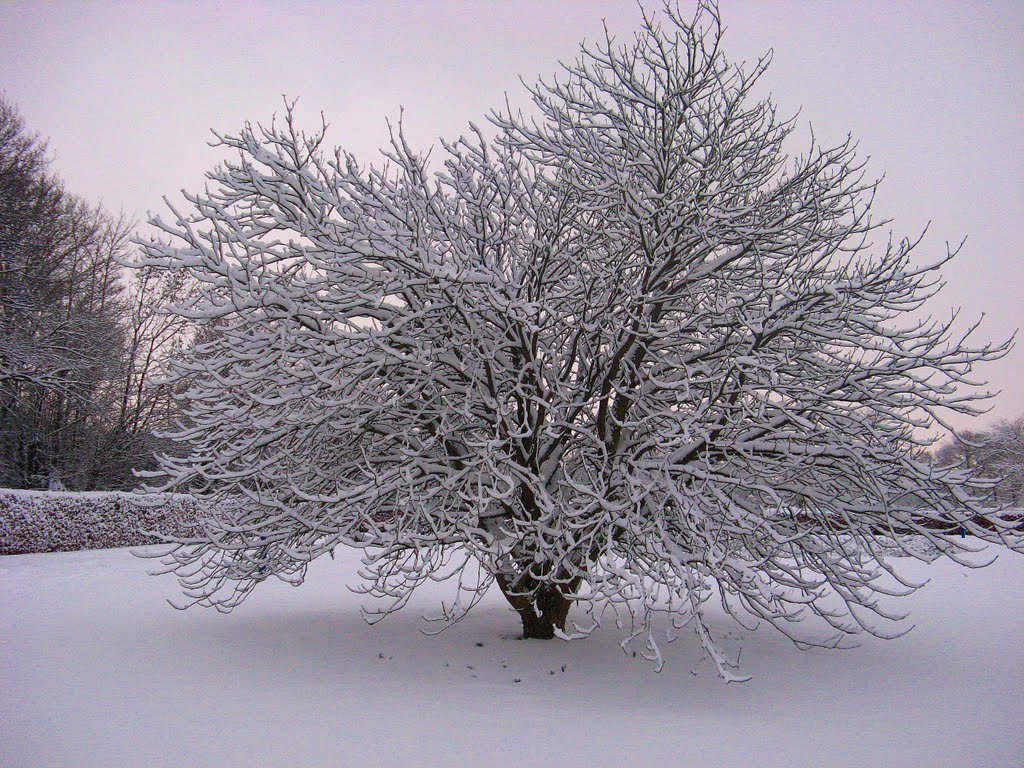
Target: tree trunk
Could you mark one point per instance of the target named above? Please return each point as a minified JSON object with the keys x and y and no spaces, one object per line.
{"x":541,"y":612}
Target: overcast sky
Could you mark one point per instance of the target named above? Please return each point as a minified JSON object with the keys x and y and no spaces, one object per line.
{"x":128,"y":92}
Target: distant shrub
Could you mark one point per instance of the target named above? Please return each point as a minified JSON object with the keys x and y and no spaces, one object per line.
{"x":51,"y":521}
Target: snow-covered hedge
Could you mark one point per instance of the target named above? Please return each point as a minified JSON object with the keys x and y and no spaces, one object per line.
{"x":51,"y":521}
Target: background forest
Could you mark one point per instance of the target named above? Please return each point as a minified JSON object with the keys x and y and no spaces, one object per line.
{"x":81,"y":336}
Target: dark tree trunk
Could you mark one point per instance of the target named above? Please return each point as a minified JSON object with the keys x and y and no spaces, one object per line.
{"x":541,"y":612}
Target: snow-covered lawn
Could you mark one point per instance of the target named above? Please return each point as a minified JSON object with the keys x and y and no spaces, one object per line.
{"x":97,"y":670}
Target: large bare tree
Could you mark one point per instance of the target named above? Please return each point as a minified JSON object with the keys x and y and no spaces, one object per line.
{"x":625,"y":352}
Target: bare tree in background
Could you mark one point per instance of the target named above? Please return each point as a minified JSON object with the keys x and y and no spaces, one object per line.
{"x":995,"y":457}
{"x":628,"y":354}
{"x":75,"y":338}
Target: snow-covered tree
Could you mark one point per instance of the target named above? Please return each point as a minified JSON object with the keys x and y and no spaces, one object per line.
{"x":1008,"y":447}
{"x":625,"y":352}
{"x":994,"y":456}
{"x":61,"y":331}
{"x":78,"y":342}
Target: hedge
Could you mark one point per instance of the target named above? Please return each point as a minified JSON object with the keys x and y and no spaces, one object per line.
{"x":57,"y":521}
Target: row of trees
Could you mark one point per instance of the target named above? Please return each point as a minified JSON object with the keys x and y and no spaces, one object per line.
{"x":79,"y":335}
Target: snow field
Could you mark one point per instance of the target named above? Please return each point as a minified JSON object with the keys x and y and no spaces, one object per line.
{"x":98,"y":670}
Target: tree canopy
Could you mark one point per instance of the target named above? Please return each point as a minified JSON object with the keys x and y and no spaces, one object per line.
{"x":624,"y":351}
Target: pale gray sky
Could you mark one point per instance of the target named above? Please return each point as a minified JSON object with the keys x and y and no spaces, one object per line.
{"x":127,"y":93}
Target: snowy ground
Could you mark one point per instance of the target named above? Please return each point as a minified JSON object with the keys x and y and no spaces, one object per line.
{"x":97,"y":670}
